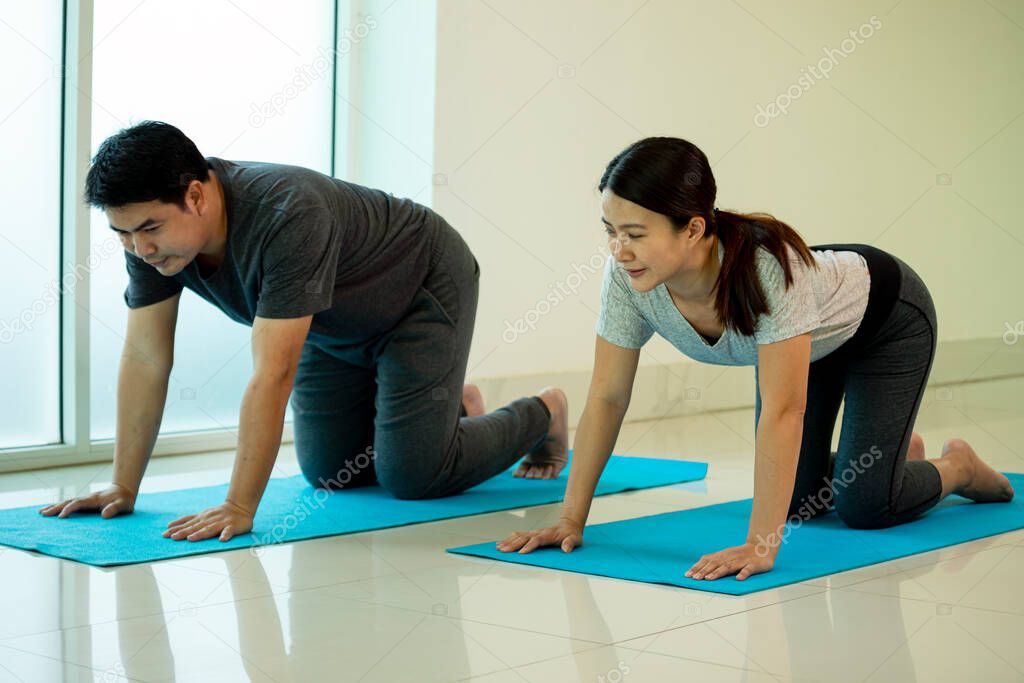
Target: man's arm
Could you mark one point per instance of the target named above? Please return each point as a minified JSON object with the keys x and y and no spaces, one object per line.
{"x":276,"y":347}
{"x":145,"y":369}
{"x":141,"y":394}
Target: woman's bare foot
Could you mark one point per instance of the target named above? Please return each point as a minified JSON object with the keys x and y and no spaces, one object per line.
{"x":916,"y":450}
{"x":472,"y":400}
{"x":547,"y":460}
{"x":981,"y":483}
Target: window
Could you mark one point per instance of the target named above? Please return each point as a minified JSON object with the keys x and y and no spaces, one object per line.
{"x":246,"y":81}
{"x":30,"y":189}
{"x":259,"y":91}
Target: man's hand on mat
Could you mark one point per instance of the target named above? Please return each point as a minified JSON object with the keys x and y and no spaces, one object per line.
{"x":110,"y":502}
{"x":226,"y":520}
{"x":567,"y":535}
{"x":743,"y":560}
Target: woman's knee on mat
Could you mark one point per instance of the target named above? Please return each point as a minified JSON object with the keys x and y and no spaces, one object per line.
{"x":857,"y":515}
{"x":813,"y":494}
{"x":807,"y":506}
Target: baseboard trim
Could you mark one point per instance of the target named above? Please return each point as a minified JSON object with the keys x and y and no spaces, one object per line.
{"x":672,"y":390}
{"x":689,"y":388}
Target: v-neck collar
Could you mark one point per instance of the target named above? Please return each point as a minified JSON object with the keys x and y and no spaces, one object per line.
{"x":667,"y":295}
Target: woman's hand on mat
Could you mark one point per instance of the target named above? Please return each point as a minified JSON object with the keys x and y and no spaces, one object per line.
{"x":566,"y":535}
{"x":110,"y":502}
{"x":225,"y":520}
{"x":742,"y":560}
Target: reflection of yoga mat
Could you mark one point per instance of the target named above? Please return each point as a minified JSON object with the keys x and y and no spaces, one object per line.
{"x":660,"y":548}
{"x":291,"y":510}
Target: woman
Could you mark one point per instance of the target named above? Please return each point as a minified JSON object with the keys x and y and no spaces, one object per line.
{"x":744,"y":289}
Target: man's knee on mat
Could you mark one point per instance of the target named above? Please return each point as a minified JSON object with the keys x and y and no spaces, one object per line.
{"x":336,"y":478}
{"x":406,"y":488}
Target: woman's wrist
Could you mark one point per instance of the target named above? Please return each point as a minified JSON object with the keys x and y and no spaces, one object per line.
{"x":246,"y":508}
{"x":765,"y":546}
{"x":127,"y":489}
{"x":573,"y":517}
{"x":576,"y":503}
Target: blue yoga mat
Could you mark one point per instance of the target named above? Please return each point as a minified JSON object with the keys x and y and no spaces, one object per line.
{"x":291,"y":510}
{"x":660,"y":548}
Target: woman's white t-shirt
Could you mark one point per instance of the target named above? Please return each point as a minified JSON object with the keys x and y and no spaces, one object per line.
{"x":829,"y":302}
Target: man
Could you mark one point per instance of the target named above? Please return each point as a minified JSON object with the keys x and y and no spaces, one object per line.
{"x":362,"y":308}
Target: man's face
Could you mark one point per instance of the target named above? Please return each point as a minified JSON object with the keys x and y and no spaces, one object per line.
{"x":164,"y":235}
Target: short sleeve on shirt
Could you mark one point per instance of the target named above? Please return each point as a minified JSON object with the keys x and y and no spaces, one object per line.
{"x":793,"y":311}
{"x":146,"y":285}
{"x":620,"y":321}
{"x":300,"y":266}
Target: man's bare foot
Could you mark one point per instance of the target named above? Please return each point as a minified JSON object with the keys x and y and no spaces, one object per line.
{"x":983,"y":484}
{"x":916,"y":450}
{"x":472,"y":400}
{"x":547,"y":460}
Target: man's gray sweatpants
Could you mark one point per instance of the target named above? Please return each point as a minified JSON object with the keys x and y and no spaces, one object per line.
{"x":391,"y":410}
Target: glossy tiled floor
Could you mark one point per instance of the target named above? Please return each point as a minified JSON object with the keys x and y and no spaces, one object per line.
{"x":393,"y":606}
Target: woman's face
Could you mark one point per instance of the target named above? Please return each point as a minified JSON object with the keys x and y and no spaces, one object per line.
{"x":648,"y":246}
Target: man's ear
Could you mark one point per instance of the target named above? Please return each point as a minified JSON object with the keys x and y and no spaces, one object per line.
{"x":195,"y":198}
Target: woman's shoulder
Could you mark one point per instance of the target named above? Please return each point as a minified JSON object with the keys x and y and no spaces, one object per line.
{"x":772,"y":274}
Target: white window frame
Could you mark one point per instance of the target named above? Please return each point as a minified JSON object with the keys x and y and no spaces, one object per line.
{"x":76,"y":446}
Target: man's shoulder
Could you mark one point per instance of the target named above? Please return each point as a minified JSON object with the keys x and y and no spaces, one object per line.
{"x":273,"y":191}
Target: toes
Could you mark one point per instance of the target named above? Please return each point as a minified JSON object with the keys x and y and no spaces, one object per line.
{"x":955,"y":444}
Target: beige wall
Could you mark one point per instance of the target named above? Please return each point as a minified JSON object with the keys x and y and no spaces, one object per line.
{"x":913,"y":143}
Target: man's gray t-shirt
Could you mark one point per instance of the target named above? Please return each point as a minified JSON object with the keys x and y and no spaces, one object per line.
{"x":829,"y":302}
{"x":300,"y":242}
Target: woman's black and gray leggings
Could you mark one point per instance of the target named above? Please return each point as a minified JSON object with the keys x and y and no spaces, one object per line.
{"x":868,"y":481}
{"x":391,"y":411}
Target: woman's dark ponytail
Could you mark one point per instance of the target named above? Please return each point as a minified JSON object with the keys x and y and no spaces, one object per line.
{"x":672,"y":177}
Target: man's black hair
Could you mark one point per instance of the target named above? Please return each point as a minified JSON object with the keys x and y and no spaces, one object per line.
{"x":150,"y":160}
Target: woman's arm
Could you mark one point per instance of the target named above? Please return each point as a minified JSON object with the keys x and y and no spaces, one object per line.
{"x":611,"y":386}
{"x":782,"y":368}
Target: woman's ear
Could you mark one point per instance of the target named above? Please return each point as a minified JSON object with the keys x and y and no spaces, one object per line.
{"x":695,"y":229}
